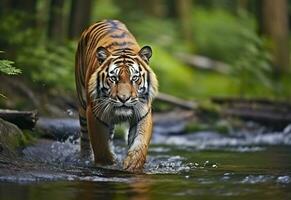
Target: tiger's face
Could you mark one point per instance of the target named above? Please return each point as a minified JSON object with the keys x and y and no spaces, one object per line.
{"x":123,"y":85}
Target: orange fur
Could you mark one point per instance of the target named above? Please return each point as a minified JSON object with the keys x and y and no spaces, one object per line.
{"x":114,"y":83}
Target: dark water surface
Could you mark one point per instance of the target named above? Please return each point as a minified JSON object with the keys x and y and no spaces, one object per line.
{"x":194,"y":166}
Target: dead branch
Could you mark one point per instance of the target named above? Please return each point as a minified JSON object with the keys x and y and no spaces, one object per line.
{"x":267,"y":112}
{"x":177,"y":101}
{"x":205,"y":63}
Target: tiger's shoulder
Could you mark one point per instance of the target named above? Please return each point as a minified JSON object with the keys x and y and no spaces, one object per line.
{"x":111,"y":34}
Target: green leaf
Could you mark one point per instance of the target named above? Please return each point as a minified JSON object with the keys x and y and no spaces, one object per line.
{"x":7,"y":68}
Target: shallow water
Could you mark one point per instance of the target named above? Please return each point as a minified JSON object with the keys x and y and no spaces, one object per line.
{"x":195,"y":166}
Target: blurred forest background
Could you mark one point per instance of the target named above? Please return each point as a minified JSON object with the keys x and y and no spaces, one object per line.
{"x":201,"y":48}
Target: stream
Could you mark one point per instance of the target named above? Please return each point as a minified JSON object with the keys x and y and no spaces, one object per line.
{"x":201,"y":165}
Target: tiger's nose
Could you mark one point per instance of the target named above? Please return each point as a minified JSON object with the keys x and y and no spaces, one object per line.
{"x":123,"y":98}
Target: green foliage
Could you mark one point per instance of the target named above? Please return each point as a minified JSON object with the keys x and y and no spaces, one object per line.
{"x":178,"y":79}
{"x":217,"y":33}
{"x":233,"y":39}
{"x":7,"y":68}
{"x":50,"y":64}
{"x":167,"y":67}
{"x":253,"y":68}
{"x":42,"y":62}
{"x":161,"y":32}
{"x":15,"y":33}
{"x":220,"y":34}
{"x":220,"y":126}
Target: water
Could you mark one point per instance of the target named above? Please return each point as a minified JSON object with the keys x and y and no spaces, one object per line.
{"x":194,"y":166}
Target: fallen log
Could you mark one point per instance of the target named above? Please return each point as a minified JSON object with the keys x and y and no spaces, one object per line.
{"x":269,"y":113}
{"x":204,"y":63}
{"x":234,"y":100}
{"x":23,"y":119}
{"x":190,"y":105}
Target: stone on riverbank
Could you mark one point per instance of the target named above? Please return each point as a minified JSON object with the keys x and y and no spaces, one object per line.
{"x":11,"y":138}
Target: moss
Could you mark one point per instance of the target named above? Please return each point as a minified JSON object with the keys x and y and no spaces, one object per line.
{"x":11,"y":138}
{"x":221,"y":126}
{"x":196,"y":127}
{"x":159,"y":106}
{"x":30,"y":137}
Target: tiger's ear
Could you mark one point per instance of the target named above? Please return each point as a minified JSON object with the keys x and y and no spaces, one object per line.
{"x":145,"y":53}
{"x":102,"y":53}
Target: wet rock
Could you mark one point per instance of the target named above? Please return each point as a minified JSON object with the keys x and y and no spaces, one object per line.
{"x":59,"y":128}
{"x":11,"y":138}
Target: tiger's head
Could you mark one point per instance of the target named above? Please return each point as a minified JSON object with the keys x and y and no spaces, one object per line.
{"x":123,"y":85}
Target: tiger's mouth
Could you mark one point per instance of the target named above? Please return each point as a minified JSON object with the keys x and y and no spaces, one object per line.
{"x":124,"y":110}
{"x":128,"y":105}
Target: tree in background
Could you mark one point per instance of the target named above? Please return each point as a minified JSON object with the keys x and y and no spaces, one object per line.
{"x":275,"y":27}
{"x":79,"y":17}
{"x":56,"y":25}
{"x":46,"y":30}
{"x":155,"y":8}
{"x":29,"y":7}
{"x":184,"y":11}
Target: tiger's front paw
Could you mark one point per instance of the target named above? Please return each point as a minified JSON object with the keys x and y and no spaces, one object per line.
{"x":134,"y":161}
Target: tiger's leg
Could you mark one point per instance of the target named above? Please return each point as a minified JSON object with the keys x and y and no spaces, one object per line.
{"x":85,"y":148}
{"x":100,"y":140}
{"x":138,"y":141}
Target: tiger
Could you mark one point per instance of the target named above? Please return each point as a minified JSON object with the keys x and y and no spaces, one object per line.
{"x":114,"y":84}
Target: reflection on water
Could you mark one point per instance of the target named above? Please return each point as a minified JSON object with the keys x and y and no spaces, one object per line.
{"x":202,"y":165}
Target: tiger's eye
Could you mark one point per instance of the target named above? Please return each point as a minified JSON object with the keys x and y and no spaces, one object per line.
{"x":113,"y":78}
{"x":135,"y":78}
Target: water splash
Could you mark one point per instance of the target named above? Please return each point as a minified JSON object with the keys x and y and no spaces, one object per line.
{"x":241,"y":141}
{"x":54,"y":160}
{"x":284,"y":179}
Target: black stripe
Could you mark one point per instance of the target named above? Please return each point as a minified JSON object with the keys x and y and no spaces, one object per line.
{"x":97,"y":84}
{"x":119,"y":44}
{"x":113,"y":23}
{"x":129,"y":61}
{"x":83,"y":123}
{"x":126,"y":50}
{"x":103,"y":77}
{"x":122,"y":35}
{"x":85,"y":139}
{"x":119,"y":62}
{"x":82,"y":118}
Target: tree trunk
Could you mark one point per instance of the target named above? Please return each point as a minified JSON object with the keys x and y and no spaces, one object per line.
{"x":29,"y":7}
{"x":242,"y":5}
{"x":5,"y":6}
{"x":184,"y":10}
{"x":275,"y":26}
{"x":154,"y":8}
{"x":56,"y":29}
{"x":79,"y":17}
